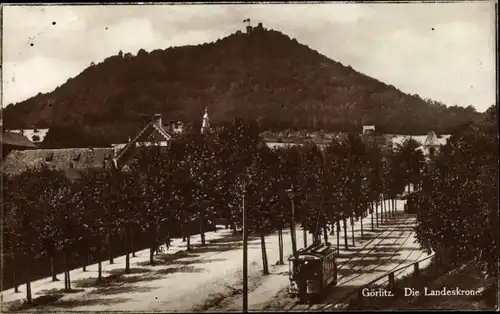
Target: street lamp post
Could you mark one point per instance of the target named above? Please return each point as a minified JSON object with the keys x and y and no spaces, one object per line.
{"x":245,"y":255}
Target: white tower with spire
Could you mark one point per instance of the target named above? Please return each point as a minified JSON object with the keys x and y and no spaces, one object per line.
{"x":205,"y":125}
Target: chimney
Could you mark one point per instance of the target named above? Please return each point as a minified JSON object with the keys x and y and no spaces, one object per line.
{"x":158,"y":119}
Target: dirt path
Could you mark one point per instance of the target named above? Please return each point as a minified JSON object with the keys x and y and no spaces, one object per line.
{"x":209,"y":278}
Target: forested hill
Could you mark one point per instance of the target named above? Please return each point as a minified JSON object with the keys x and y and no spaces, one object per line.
{"x":265,"y":76}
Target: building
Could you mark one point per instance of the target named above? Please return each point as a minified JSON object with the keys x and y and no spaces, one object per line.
{"x":368,"y":129}
{"x":430,"y":144}
{"x":205,"y":124}
{"x":18,"y":159}
{"x":35,"y":135}
{"x":153,"y":133}
{"x":433,"y":143}
{"x":14,"y":141}
{"x":65,"y":160}
{"x":384,"y":141}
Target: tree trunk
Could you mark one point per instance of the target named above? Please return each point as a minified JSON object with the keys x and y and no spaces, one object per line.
{"x":110,"y":250}
{"x":156,"y":242}
{"x":214,"y":223}
{"x":384,"y":210}
{"x":84,"y":259}
{"x":264,"y":254}
{"x":183,"y":227}
{"x":129,"y":249}
{"x":292,"y":234}
{"x":100,"y":257}
{"x":233,"y":227}
{"x":67,"y":279}
{"x":28,"y":287}
{"x":352,"y":230}
{"x":345,"y":234}
{"x":362,"y":227}
{"x":280,"y":245}
{"x":381,"y":211}
{"x":151,"y":255}
{"x":14,"y":279}
{"x":202,"y":227}
{"x":99,"y":271}
{"x":188,"y":246}
{"x":330,"y":217}
{"x":371,"y":214}
{"x":52,"y":268}
{"x":153,"y":246}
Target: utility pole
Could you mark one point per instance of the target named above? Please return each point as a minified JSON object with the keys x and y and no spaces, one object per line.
{"x":245,"y":255}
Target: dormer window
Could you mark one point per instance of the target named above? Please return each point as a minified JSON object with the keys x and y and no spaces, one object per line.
{"x":49,"y":157}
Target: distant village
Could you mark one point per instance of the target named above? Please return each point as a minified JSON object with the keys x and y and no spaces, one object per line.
{"x":20,"y":150}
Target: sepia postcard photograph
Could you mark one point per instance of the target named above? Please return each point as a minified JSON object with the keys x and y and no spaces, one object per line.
{"x":249,"y":157}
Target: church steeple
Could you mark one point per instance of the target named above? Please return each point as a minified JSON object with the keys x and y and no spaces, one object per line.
{"x":205,"y":126}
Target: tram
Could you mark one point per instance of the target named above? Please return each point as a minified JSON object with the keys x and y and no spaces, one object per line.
{"x":312,"y":271}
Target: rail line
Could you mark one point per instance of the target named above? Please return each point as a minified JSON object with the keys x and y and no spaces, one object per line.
{"x":299,"y":307}
{"x":348,"y":294}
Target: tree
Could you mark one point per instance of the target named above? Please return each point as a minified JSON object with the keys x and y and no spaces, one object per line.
{"x":410,"y":160}
{"x":458,"y":200}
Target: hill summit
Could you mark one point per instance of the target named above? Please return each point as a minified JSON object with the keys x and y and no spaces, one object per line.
{"x":259,"y":74}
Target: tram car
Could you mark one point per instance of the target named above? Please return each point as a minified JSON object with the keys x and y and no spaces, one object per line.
{"x":312,"y":271}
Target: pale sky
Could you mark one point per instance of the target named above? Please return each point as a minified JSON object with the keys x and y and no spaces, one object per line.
{"x":443,"y":51}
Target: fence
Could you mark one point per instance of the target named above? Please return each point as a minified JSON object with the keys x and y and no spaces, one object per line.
{"x":388,"y":277}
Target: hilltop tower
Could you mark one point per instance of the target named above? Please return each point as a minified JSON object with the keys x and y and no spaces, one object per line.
{"x":205,"y":125}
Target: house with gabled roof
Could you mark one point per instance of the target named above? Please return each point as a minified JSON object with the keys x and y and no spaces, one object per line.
{"x":14,"y":141}
{"x":35,"y":135}
{"x":155,"y":132}
{"x":433,"y":143}
{"x":66,"y":159}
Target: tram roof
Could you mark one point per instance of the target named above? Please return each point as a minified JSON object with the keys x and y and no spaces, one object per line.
{"x":320,"y":250}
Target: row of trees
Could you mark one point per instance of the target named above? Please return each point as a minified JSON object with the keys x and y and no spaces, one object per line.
{"x":458,"y":204}
{"x":185,"y":187}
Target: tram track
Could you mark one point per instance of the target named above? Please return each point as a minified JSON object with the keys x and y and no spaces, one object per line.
{"x":298,"y":306}
{"x":349,"y":294}
{"x":374,"y":248}
{"x":304,"y":307}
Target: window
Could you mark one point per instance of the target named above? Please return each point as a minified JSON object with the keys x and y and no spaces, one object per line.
{"x":49,"y":157}
{"x":431,"y":151}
